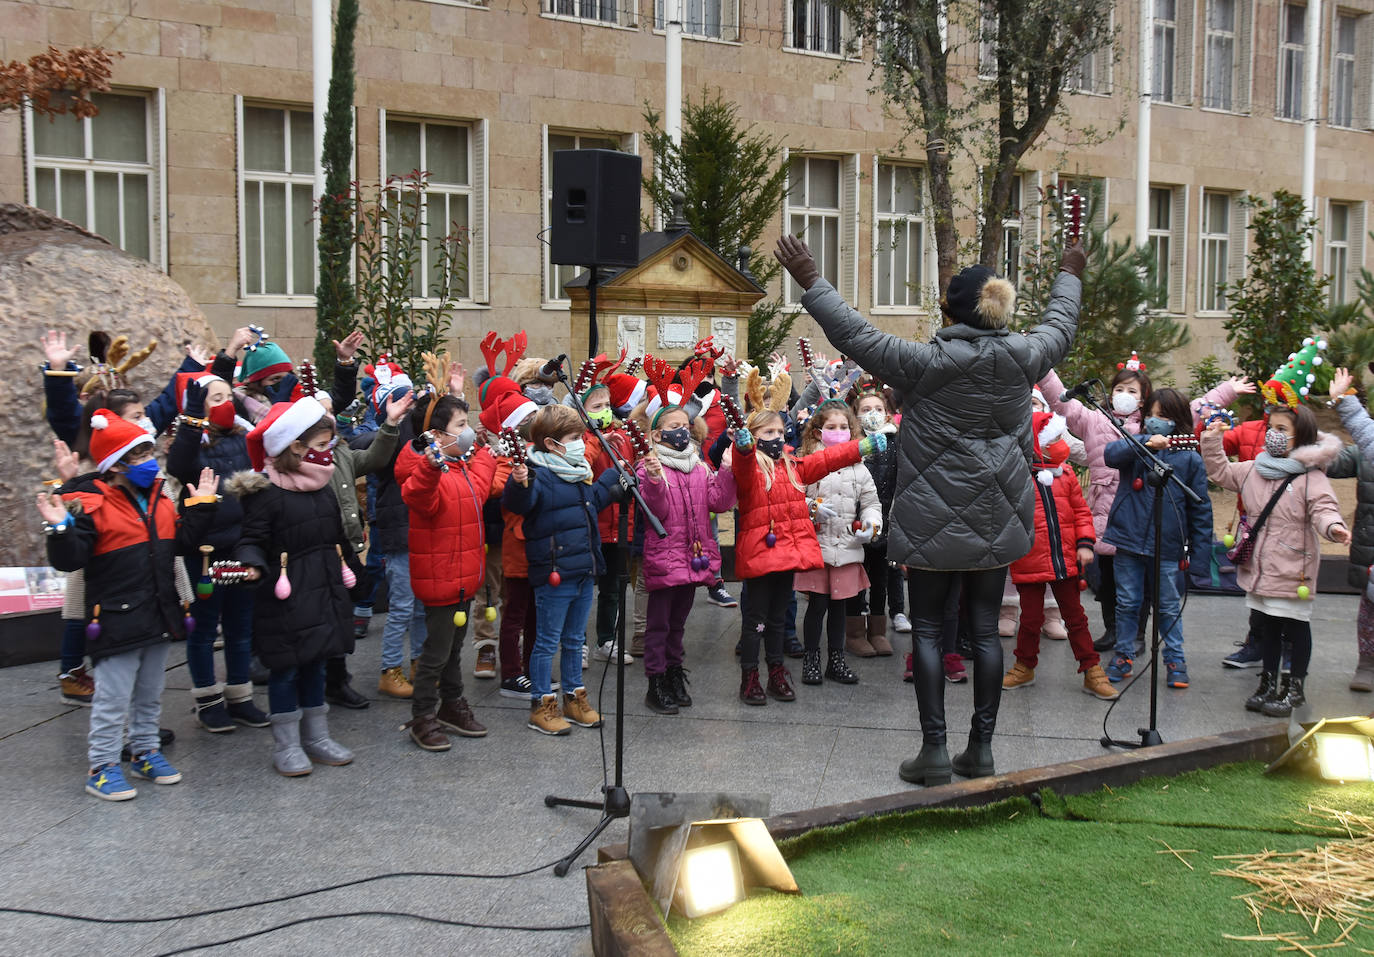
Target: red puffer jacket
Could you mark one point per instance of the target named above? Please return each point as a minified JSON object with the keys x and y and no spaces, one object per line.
{"x":608,"y":522}
{"x":447,"y":535}
{"x":1063,"y":524}
{"x":780,"y":508}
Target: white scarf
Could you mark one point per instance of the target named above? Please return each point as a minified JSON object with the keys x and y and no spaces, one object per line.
{"x":684,"y":461}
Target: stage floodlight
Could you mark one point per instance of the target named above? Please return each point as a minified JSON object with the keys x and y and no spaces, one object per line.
{"x":1339,"y":749}
{"x":710,"y":879}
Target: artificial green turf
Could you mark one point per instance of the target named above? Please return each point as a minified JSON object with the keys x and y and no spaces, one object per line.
{"x":1083,"y":876}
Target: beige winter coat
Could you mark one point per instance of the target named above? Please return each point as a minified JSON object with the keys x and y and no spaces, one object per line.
{"x":851,"y":492}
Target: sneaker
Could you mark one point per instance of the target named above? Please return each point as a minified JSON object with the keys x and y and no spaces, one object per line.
{"x":360,"y":626}
{"x":584,"y":655}
{"x":901,"y":624}
{"x":154,"y":767}
{"x":394,"y":683}
{"x":545,"y":718}
{"x":107,"y":783}
{"x":77,"y":686}
{"x":1119,"y":669}
{"x":955,"y":673}
{"x":578,"y":710}
{"x":426,"y":732}
{"x":1096,"y":683}
{"x":909,"y":672}
{"x":1248,"y":655}
{"x":1178,"y":673}
{"x":780,"y":683}
{"x":517,"y":687}
{"x":717,"y":595}
{"x":457,"y":716}
{"x":165,"y":736}
{"x":1019,"y":676}
{"x":606,"y":652}
{"x":486,"y":662}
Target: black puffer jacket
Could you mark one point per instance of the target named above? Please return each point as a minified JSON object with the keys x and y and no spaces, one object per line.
{"x":964,"y":498}
{"x":316,"y":621}
{"x":227,"y":455}
{"x":391,"y":526}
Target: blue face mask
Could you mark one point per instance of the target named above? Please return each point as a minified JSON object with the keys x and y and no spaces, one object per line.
{"x":144,"y":474}
{"x":1154,"y":425}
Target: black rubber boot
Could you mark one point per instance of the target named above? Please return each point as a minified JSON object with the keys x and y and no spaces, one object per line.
{"x":975,"y":761}
{"x":1268,"y":684}
{"x":659,"y":698}
{"x":677,"y":682}
{"x":930,"y":767}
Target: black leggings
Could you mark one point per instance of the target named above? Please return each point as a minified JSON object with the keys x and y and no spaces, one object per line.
{"x":816,"y":608}
{"x":764,"y":610}
{"x":884,"y":594}
{"x":1272,"y":632}
{"x":930,"y":591}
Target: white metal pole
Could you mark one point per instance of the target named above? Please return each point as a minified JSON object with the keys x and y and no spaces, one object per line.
{"x":672,"y":107}
{"x":321,"y":56}
{"x":1312,"y":31}
{"x":1142,"y":136}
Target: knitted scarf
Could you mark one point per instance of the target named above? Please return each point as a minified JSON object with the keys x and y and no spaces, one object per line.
{"x":1275,"y":469}
{"x":561,"y":467}
{"x":309,"y":476}
{"x":684,"y":461}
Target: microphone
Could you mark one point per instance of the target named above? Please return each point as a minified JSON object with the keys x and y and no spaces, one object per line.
{"x":551,"y":368}
{"x":1081,"y":391}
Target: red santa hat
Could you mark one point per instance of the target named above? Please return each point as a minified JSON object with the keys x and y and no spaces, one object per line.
{"x":202,"y":379}
{"x":284,"y":423}
{"x":112,"y":437}
{"x":507,"y":412}
{"x":1051,"y":451}
{"x":626,"y":390}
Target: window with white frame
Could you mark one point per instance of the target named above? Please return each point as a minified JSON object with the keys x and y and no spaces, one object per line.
{"x":713,"y":19}
{"x":1011,"y":234}
{"x":1226,"y":71}
{"x":1342,"y":112}
{"x":818,"y":26}
{"x":987,"y":41}
{"x":899,"y":238}
{"x":814,"y":187}
{"x":614,"y":12}
{"x":1337,"y":237}
{"x":452,"y":206}
{"x":102,"y":172}
{"x":277,"y":255}
{"x":1172,"y":51}
{"x":1092,"y":74}
{"x":1168,"y":238}
{"x":556,"y":275}
{"x":1219,"y":252}
{"x":1292,"y":43}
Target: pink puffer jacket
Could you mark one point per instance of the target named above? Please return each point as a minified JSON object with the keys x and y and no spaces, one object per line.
{"x":684,"y":503}
{"x":1287,"y":553}
{"x":1097,"y":433}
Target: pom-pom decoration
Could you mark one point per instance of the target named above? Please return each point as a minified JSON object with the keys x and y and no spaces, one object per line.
{"x":93,"y":627}
{"x":1133,"y":363}
{"x":99,"y":422}
{"x":283,"y":587}
{"x":349,"y":579}
{"x":460,"y":618}
{"x":489,"y":614}
{"x":1291,"y":382}
{"x":1046,"y":477}
{"x":555,"y":579}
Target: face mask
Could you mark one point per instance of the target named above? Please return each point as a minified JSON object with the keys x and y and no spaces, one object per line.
{"x":1276,"y":443}
{"x":1124,"y":403}
{"x":602,"y":417}
{"x":222,"y":415}
{"x":1154,"y":425}
{"x":146,"y":424}
{"x":144,"y":474}
{"x":677,"y":439}
{"x":539,"y":394}
{"x":771,"y":447}
{"x":831,"y":437}
{"x":873,"y":420}
{"x":575,"y":452}
{"x":318,"y":456}
{"x":464,"y":440}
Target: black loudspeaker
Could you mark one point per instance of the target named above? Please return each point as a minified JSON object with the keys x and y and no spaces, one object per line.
{"x":595,"y":208}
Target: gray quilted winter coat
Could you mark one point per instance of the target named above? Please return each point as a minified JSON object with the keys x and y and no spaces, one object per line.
{"x":964,"y":497}
{"x":1357,"y":461}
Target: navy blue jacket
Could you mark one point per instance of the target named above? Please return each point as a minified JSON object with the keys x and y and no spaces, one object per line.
{"x":560,"y":522}
{"x":1130,"y":525}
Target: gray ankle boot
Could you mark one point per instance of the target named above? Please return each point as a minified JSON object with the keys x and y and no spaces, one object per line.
{"x":928,"y":768}
{"x":975,"y":761}
{"x":287,"y":756}
{"x":316,"y":741}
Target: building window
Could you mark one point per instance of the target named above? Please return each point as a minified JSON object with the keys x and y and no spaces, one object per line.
{"x":1292,"y":40}
{"x":987,"y":42}
{"x":1220,"y":218}
{"x":101,"y":172}
{"x":1337,"y":252}
{"x":814,"y":213}
{"x":556,"y":275}
{"x":899,"y":236}
{"x":1165,"y":45}
{"x":277,"y":255}
{"x":447,"y":207}
{"x":713,"y":19}
{"x":1168,"y":239}
{"x":1011,"y":234}
{"x":1092,"y":74}
{"x":818,"y":26}
{"x":1226,"y":78}
{"x":1343,"y":72}
{"x":615,"y":12}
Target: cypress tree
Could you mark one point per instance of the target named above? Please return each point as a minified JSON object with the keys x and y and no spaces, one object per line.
{"x":334,"y":299}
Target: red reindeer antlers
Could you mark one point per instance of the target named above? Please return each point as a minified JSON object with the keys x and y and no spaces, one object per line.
{"x":706,"y":349}
{"x":660,"y":375}
{"x":596,"y":370}
{"x":514,"y":348}
{"x":693,"y":375}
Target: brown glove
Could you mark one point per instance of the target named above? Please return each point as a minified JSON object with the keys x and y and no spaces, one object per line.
{"x":797,"y":260}
{"x":1074,"y":260}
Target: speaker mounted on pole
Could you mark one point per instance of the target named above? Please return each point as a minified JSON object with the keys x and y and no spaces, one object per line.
{"x":595,"y":208}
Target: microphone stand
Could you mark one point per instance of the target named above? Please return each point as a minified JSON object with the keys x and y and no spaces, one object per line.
{"x":617,"y":801}
{"x":1158,"y":474}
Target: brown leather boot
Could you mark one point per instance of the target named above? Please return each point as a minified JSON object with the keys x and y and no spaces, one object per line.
{"x":877,"y":635}
{"x":457,"y":716}
{"x":855,"y":638}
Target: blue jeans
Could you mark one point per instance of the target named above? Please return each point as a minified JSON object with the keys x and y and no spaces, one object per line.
{"x":298,"y":687}
{"x":560,"y":622}
{"x":128,"y":690}
{"x":404,"y":614}
{"x":232,"y":607}
{"x":1132,"y":576}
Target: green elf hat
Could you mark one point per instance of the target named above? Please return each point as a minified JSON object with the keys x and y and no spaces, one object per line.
{"x":1289,"y":385}
{"x":262,"y":358}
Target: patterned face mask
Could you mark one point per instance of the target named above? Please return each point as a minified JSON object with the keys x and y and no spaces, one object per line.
{"x":1276,"y":443}
{"x":771,"y":447}
{"x":873,"y":420}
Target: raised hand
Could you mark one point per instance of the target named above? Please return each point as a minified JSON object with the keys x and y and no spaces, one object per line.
{"x":777,"y":364}
{"x":207,"y":484}
{"x":197,"y":353}
{"x":396,"y":408}
{"x":743,"y":439}
{"x":728,"y":365}
{"x":873,"y":444}
{"x":348,"y":348}
{"x":456,"y":379}
{"x":1341,"y":382}
{"x":55,"y":349}
{"x":240,"y":339}
{"x":1243,"y":385}
{"x":1074,"y":260}
{"x":796,"y":258}
{"x":67,"y":462}
{"x":520,"y":474}
{"x":51,"y":509}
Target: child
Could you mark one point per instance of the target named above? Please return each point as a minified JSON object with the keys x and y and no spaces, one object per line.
{"x":293,"y":541}
{"x":775,"y":538}
{"x":445,"y":492}
{"x":682,"y":491}
{"x":1357,"y":461}
{"x":1286,"y":485}
{"x":1063,"y":546}
{"x":848,"y":517}
{"x":873,"y":407}
{"x":125,"y":533}
{"x":1187,"y":525}
{"x":560,"y":501}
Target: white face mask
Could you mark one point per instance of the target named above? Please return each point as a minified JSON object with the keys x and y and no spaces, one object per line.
{"x":1124,"y":403}
{"x":146,"y":424}
{"x":873,"y":420}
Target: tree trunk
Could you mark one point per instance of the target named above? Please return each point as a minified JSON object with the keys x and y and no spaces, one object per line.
{"x":946,"y":229}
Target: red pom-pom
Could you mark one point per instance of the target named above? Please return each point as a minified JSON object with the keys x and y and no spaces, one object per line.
{"x":1082,"y":584}
{"x":1121,"y":365}
{"x":555,"y":579}
{"x":1138,"y":484}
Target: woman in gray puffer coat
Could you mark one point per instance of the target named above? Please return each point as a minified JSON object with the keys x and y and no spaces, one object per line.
{"x":965,"y":507}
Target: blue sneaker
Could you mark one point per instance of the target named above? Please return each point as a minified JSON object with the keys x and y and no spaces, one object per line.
{"x":154,"y":767}
{"x":1119,"y":669}
{"x":1178,"y":673}
{"x":107,"y":783}
{"x":1248,"y":655}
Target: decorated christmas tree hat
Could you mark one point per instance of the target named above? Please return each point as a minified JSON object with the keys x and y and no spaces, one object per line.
{"x":1290,"y":383}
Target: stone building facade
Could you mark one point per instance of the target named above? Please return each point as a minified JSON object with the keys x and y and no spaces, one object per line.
{"x":201,"y":162}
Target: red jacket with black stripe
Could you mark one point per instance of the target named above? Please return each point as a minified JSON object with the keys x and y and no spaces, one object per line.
{"x":447,"y":532}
